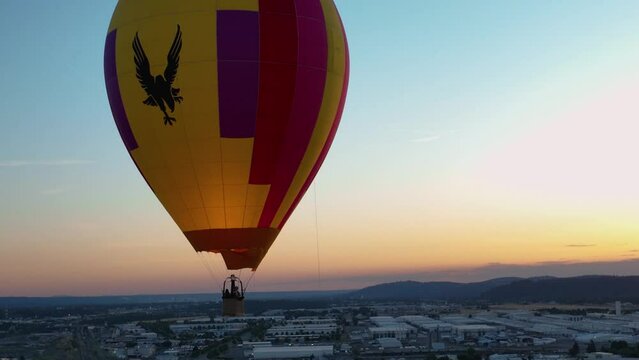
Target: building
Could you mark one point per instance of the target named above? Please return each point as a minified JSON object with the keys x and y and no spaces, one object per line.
{"x":144,"y":351}
{"x":295,"y":331}
{"x":389,"y":343}
{"x":389,"y":327}
{"x":505,"y":357}
{"x":218,"y":328}
{"x":303,"y":328}
{"x":292,"y":352}
{"x":475,"y":331}
{"x":602,"y":356}
{"x":249,"y":346}
{"x":398,"y":331}
{"x":604,"y":338}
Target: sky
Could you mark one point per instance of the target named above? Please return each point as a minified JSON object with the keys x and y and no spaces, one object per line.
{"x":479,"y":139}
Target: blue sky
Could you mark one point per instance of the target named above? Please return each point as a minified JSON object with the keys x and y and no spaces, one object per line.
{"x":440,"y":90}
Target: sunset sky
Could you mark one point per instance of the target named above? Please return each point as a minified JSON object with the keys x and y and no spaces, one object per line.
{"x":480,"y":139}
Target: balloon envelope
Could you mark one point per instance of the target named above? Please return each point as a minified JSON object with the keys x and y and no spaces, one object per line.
{"x":228,"y":109}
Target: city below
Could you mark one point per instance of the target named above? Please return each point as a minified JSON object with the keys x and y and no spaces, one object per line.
{"x":432,"y":180}
{"x":318,"y":325}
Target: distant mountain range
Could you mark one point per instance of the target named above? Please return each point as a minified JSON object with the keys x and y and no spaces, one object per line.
{"x":543,"y":289}
{"x":430,"y":291}
{"x":591,"y":289}
{"x":574,"y":290}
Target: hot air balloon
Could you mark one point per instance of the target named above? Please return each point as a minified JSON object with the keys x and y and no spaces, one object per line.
{"x":228,"y":109}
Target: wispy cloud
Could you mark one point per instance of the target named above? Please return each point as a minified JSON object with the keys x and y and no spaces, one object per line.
{"x":580,"y":245}
{"x":24,"y":163}
{"x":427,"y":139}
{"x":53,"y":191}
{"x":431,"y":136}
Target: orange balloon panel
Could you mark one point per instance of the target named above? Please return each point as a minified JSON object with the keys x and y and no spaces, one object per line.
{"x":228,"y":108}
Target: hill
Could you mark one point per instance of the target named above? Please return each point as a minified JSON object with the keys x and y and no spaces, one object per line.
{"x":429,"y":291}
{"x":593,"y":289}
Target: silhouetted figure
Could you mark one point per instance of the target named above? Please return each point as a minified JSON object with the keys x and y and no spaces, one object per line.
{"x":233,"y":288}
{"x":233,"y":297}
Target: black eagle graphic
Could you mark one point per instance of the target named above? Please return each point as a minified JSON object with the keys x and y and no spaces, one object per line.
{"x":160,"y":89}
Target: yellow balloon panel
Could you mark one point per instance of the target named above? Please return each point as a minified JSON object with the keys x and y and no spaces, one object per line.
{"x":187,"y":160}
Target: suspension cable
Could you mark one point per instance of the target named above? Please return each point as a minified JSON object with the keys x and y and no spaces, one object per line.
{"x":249,"y":280}
{"x":217,"y":261}
{"x":207,"y":266}
{"x":319,"y":274}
